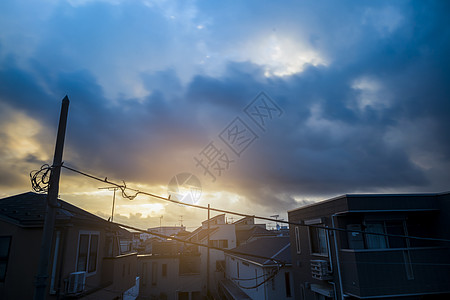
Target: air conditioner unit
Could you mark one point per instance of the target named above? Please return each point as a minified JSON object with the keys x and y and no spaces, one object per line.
{"x":320,"y":270}
{"x":76,"y":282}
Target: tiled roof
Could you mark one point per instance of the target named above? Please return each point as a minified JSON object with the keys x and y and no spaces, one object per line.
{"x":277,"y":248}
{"x":28,"y":209}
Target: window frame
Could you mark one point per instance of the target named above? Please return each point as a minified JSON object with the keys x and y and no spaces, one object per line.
{"x":89,"y":250}
{"x":317,"y":222}
{"x":5,"y":259}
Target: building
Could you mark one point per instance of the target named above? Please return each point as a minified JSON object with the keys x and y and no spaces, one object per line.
{"x":170,"y":276}
{"x":249,"y":277}
{"x":165,"y":230}
{"x":217,"y":232}
{"x":86,"y":262}
{"x":370,"y":257}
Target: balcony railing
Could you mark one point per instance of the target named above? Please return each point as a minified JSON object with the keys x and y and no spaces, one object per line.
{"x":374,"y":272}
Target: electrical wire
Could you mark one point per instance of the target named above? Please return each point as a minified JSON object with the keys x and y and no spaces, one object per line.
{"x":229,"y":251}
{"x":40,"y":179}
{"x":262,"y":282}
{"x":123,"y":188}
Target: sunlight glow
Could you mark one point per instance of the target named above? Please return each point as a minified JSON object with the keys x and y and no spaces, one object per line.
{"x":282,"y":56}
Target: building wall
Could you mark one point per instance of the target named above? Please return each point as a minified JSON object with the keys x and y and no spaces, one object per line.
{"x":154,"y":283}
{"x":24,"y":257}
{"x":224,"y":232}
{"x":22,"y":262}
{"x":275,"y":288}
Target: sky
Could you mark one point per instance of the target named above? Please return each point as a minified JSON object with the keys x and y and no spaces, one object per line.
{"x":267,"y":105}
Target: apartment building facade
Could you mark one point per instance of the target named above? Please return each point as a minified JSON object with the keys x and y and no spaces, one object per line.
{"x":370,"y":256}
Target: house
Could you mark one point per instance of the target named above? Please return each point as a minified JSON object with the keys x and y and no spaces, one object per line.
{"x":170,"y":276}
{"x":220,"y":234}
{"x":371,"y":256}
{"x":86,"y":261}
{"x":217,"y":232}
{"x":249,"y":277}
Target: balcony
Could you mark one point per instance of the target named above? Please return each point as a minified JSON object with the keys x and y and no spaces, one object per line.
{"x":375,"y":272}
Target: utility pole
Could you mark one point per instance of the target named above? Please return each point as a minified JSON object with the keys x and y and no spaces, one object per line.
{"x":52,"y":204}
{"x":207,"y":259}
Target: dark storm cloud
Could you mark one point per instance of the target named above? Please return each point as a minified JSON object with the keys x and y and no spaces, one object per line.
{"x":328,"y":140}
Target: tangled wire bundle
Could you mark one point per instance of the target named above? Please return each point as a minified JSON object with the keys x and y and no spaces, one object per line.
{"x":40,"y":179}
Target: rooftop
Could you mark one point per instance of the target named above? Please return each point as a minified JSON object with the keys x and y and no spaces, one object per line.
{"x":277,"y":248}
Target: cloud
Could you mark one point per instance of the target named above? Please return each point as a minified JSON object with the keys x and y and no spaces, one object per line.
{"x":363,"y":91}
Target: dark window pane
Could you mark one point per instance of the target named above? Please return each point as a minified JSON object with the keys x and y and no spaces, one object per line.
{"x":4,"y":246}
{"x":375,"y":241}
{"x":183,"y":295}
{"x":396,"y":228}
{"x":83,"y":252}
{"x":164,"y":270}
{"x":93,"y":253}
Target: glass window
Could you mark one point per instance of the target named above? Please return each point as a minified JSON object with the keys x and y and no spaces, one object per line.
{"x":183,"y":295}
{"x":318,"y":240}
{"x":374,"y":241}
{"x":164,"y":270}
{"x":87,"y":252}
{"x":395,"y":227}
{"x":154,"y":272}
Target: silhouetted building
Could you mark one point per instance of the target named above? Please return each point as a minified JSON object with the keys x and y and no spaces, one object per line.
{"x":86,"y":261}
{"x":249,"y":277}
{"x":376,"y":260}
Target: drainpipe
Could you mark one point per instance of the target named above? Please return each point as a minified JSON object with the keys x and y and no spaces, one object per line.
{"x":337,"y":257}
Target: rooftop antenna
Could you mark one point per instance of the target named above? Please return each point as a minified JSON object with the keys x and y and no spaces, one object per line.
{"x":276,"y":218}
{"x":160,"y":218}
{"x":114,"y":199}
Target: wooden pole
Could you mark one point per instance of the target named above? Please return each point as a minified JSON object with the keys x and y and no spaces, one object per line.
{"x":52,"y":203}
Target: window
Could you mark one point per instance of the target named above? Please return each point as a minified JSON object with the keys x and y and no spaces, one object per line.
{"x":219,"y":243}
{"x":144,"y":274}
{"x":287,"y":281}
{"x":164,"y":270}
{"x":297,"y":239}
{"x":87,"y":252}
{"x":220,"y":266}
{"x":189,"y":265}
{"x":379,"y":241}
{"x":183,"y":295}
{"x":154,"y":272}
{"x":196,"y":295}
{"x":5,"y":243}
{"x":318,"y":240}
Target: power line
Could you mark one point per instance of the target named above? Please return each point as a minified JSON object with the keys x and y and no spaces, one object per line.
{"x":229,"y":251}
{"x":123,"y":188}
